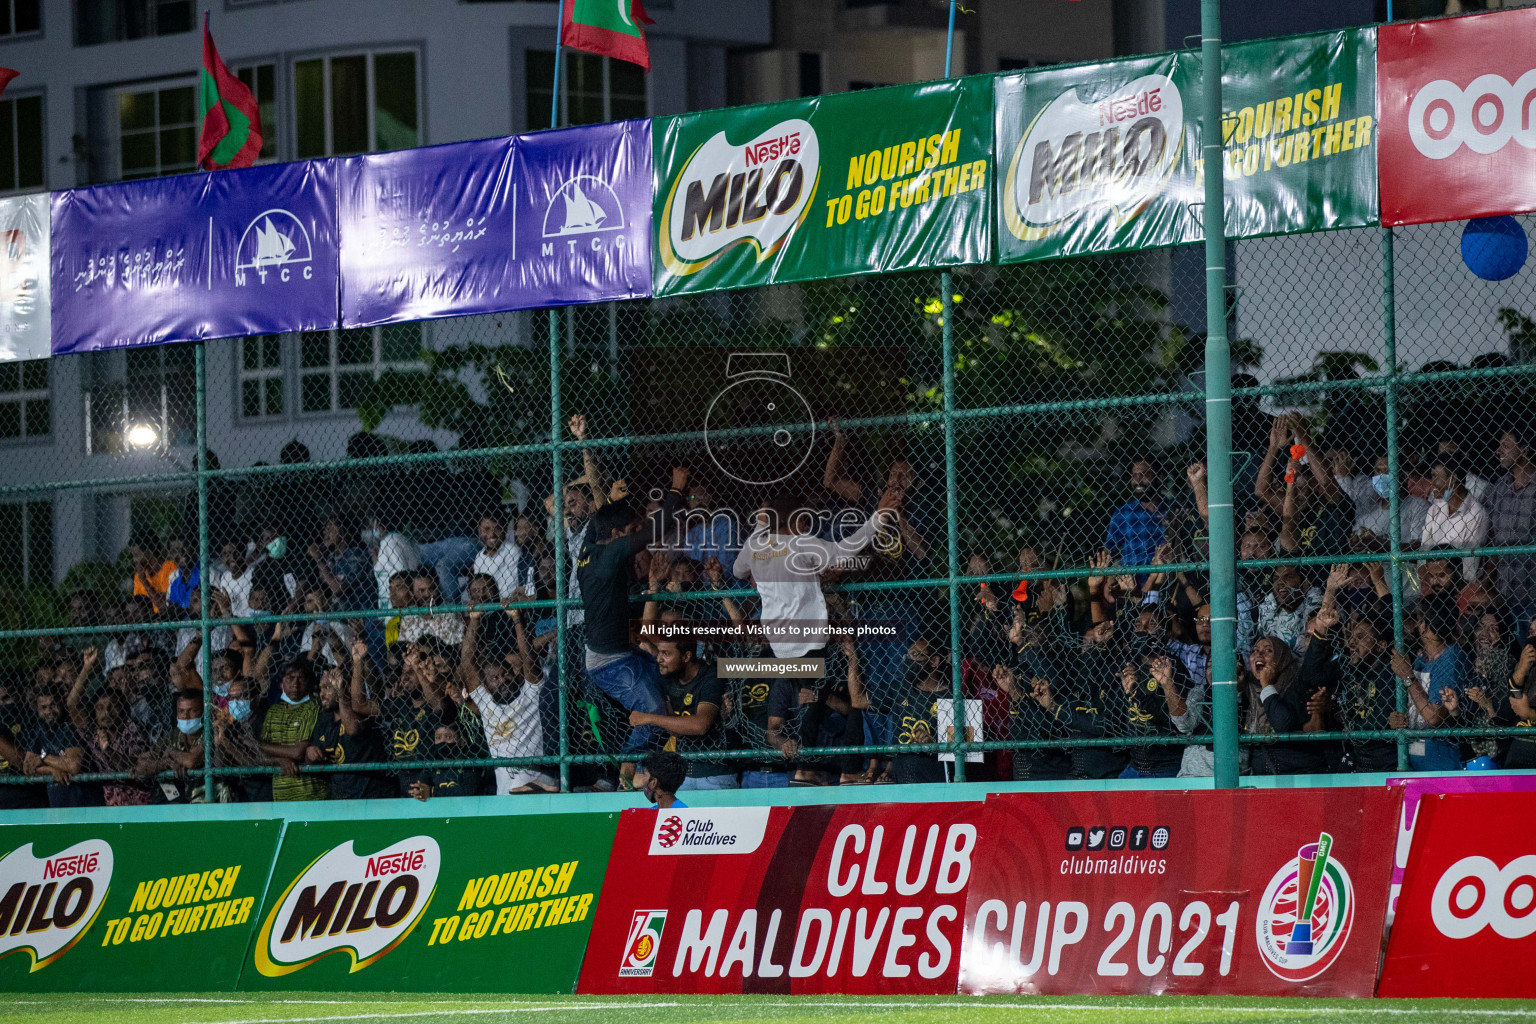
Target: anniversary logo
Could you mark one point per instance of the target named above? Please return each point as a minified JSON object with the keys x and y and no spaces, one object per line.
{"x":884,"y":179}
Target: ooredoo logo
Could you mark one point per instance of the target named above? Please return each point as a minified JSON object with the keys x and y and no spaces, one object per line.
{"x":1306,"y":914}
{"x":364,"y":905}
{"x":717,"y":830}
{"x":755,"y":193}
{"x":1114,"y":150}
{"x":643,"y":944}
{"x":1484,"y":117}
{"x":48,"y":903}
{"x":1475,"y":893}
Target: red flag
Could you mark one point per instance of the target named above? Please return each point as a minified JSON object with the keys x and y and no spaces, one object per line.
{"x":6,"y":74}
{"x":604,"y":27}
{"x":231,"y":123}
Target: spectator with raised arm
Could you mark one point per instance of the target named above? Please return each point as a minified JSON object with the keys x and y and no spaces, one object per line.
{"x":507,"y":691}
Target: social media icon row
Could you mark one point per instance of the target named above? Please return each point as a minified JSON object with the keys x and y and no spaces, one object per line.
{"x":1099,"y":838}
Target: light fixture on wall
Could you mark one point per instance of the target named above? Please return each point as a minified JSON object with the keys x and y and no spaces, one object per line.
{"x":143,"y":436}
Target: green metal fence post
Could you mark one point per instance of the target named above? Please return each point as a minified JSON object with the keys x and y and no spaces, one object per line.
{"x":200,"y":370}
{"x":562,"y":686}
{"x":1218,"y":414}
{"x":951,"y":482}
{"x":1394,"y":503}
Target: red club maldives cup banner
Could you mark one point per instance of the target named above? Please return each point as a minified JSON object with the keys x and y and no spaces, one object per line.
{"x":1466,"y":920}
{"x":1256,"y":892}
{"x":1458,"y":117}
{"x":855,"y":899}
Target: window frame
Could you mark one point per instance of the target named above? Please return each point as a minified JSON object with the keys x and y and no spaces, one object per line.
{"x":157,"y":86}
{"x":571,"y":60}
{"x":268,"y":135}
{"x":22,"y":397}
{"x":280,"y":373}
{"x":334,"y":370}
{"x":29,"y":573}
{"x":110,"y":370}
{"x":154,"y":16}
{"x":36,"y":33}
{"x":370,"y":54}
{"x":42,"y":142}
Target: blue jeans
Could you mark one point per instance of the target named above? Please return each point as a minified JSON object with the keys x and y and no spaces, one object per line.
{"x":709,"y":782}
{"x":450,"y":558}
{"x":635,"y":683}
{"x":878,"y":730}
{"x":764,"y":780}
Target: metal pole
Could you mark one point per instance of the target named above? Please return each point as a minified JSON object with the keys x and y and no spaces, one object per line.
{"x":1394,"y":468}
{"x":562,"y":684}
{"x":1218,"y":413}
{"x":951,"y":484}
{"x":200,"y":369}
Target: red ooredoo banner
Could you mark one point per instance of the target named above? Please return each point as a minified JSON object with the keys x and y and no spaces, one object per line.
{"x":1457,"y":137}
{"x":1466,"y":919}
{"x":1261,"y":892}
{"x":858,"y":899}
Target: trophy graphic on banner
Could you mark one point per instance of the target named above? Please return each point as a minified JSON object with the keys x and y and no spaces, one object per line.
{"x":1311,"y":860}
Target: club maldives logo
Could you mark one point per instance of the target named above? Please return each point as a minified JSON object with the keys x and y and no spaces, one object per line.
{"x":584,"y":211}
{"x":1085,"y":153}
{"x":48,"y":903}
{"x":275,"y":244}
{"x":344,"y":901}
{"x":1306,"y":913}
{"x":643,"y":944}
{"x":716,"y":830}
{"x":755,"y":193}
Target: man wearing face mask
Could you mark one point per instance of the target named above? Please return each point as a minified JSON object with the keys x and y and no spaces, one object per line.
{"x":236,"y":742}
{"x":1138,"y":528}
{"x":1411,"y":509}
{"x":181,"y":752}
{"x":1455,"y":518}
{"x":286,"y":733}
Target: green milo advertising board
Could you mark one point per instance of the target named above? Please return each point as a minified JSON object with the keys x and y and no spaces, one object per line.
{"x":105,"y":908}
{"x":1107,"y":157}
{"x":431,"y":904}
{"x":884,"y":179}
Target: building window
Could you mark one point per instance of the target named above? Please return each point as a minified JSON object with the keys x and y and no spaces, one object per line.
{"x":112,"y":21}
{"x":356,"y":103}
{"x":25,"y":408}
{"x":597,"y":89}
{"x":26,"y":543}
{"x":336,"y":367}
{"x":20,"y":17}
{"x":261,"y":79}
{"x":157,"y":130}
{"x":261,"y":376}
{"x":153,"y":386}
{"x":810,"y":74}
{"x":21,"y":143}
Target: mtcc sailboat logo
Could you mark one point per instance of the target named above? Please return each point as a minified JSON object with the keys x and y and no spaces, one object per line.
{"x":274,"y":246}
{"x":582,"y":211}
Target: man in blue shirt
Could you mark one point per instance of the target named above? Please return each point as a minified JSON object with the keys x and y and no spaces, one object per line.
{"x":1138,"y":528}
{"x":659,"y":777}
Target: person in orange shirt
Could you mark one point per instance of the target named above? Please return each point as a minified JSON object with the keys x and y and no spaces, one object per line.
{"x":151,"y":571}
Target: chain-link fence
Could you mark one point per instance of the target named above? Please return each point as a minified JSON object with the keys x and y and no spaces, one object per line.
{"x":418,"y":559}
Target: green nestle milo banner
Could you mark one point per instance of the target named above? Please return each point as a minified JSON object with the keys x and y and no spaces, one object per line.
{"x":885,"y":179}
{"x":1299,"y":133}
{"x":1107,"y":157}
{"x":431,"y":904}
{"x":102,"y":908}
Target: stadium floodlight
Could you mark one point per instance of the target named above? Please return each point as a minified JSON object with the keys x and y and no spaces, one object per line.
{"x":143,"y":436}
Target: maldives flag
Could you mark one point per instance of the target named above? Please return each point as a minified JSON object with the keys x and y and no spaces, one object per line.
{"x":608,"y":27}
{"x":231,"y":123}
{"x":6,"y":74}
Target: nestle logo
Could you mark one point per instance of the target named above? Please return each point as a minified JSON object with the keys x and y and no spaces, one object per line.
{"x":65,"y":867}
{"x":670,"y":831}
{"x":771,"y":149}
{"x":394,"y":863}
{"x":1123,"y":108}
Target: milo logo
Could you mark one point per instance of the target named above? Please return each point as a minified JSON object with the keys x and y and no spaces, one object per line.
{"x":1111,"y":152}
{"x":347,"y":902}
{"x":48,"y":903}
{"x":756,"y":192}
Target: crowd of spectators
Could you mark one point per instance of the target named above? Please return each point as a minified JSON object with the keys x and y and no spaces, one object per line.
{"x":1125,"y":653}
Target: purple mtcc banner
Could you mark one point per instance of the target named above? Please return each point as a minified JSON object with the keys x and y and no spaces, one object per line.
{"x":480,"y":227}
{"x":196,"y":256}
